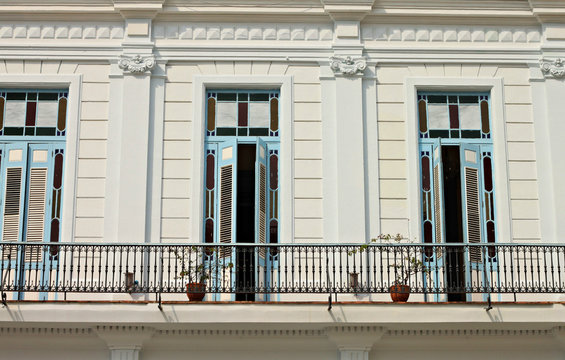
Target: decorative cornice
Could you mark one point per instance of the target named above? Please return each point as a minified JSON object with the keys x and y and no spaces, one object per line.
{"x":62,"y":31}
{"x":242,"y":332}
{"x":347,"y":65}
{"x":217,"y":31}
{"x":555,"y":68}
{"x":137,"y":64}
{"x":455,"y":34}
{"x":470,"y":332}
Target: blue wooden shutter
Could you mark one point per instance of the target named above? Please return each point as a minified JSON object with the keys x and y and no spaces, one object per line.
{"x":227,"y":172}
{"x":437,"y":173}
{"x":470,"y":183}
{"x":13,"y":187}
{"x":38,"y":198}
{"x":261,"y":158}
{"x":261,"y":194}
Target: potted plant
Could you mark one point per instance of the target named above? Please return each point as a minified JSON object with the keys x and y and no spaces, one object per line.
{"x":406,"y":262}
{"x":198,"y":265}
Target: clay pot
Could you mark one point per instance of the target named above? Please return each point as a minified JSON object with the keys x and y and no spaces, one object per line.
{"x":196,"y":291}
{"x":399,"y":292}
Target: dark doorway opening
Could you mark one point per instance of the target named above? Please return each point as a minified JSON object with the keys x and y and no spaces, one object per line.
{"x":454,"y":260}
{"x":245,"y":222}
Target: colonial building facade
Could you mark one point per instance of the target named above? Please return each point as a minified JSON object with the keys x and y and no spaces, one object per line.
{"x":273,"y":150}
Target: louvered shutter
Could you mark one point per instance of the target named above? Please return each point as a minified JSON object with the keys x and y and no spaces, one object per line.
{"x":437,"y":168}
{"x":261,"y":195}
{"x":227,"y":171}
{"x":36,"y":205}
{"x":13,"y":190}
{"x":470,"y":176}
{"x":261,"y":215}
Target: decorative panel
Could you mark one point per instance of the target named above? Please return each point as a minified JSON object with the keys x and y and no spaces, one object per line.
{"x":33,"y":113}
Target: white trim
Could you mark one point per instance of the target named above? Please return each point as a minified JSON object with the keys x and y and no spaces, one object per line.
{"x":73,"y":83}
{"x":286,"y":174}
{"x":498,"y":121}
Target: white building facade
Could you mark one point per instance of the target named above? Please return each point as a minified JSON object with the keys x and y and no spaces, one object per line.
{"x":131,"y":130}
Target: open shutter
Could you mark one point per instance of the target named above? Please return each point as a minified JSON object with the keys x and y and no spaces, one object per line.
{"x":437,"y":168}
{"x":37,"y":199}
{"x":13,"y":177}
{"x":261,"y":195}
{"x":227,"y":165}
{"x":470,"y":166}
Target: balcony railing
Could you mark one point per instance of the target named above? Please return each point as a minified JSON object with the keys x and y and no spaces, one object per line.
{"x":437,"y":271}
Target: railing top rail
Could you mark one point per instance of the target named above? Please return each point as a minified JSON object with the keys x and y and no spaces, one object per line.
{"x":359,"y":245}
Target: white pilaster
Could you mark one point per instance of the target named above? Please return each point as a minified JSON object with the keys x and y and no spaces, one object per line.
{"x":124,"y":342}
{"x":355,"y":342}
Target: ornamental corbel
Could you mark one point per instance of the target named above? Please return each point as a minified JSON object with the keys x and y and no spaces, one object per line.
{"x":555,"y":68}
{"x":137,"y":64}
{"x":347,"y":65}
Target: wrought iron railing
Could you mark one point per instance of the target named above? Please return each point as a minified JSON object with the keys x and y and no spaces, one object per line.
{"x":434,"y":270}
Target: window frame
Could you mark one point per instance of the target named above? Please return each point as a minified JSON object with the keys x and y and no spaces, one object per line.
{"x":72,"y":82}
{"x":201,"y":84}
{"x":498,"y":125}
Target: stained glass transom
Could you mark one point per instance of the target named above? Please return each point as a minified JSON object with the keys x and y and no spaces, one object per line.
{"x":242,"y":113}
{"x":33,"y":113}
{"x":456,"y":116}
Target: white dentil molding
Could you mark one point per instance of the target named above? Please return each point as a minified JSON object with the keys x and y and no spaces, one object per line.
{"x":425,"y":33}
{"x":61,"y":30}
{"x":244,"y":31}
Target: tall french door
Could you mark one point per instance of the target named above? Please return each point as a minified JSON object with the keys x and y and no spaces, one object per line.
{"x":30,"y":208}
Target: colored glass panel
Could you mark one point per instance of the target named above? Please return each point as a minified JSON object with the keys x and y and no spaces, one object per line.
{"x":437,"y":99}
{"x":274,"y":114}
{"x":469,"y":116}
{"x":487,"y":171}
{"x":273,"y":231}
{"x":211,"y":114}
{"x":58,"y":173}
{"x":485,"y":120}
{"x":259,"y":97}
{"x":209,"y":231}
{"x":453,"y":116}
{"x":47,"y":114}
{"x":210,"y":172}
{"x":426,"y":173}
{"x":423,"y":116}
{"x":54,"y":230}
{"x":62,"y":118}
{"x":30,"y":113}
{"x":428,"y":238}
{"x":491,"y":238}
{"x":227,"y":96}
{"x":242,"y":114}
{"x":48,"y":96}
{"x":274,"y":172}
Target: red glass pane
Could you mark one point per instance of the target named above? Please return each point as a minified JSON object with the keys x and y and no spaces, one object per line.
{"x":209,"y":231}
{"x":30,"y":113}
{"x":274,"y":172}
{"x":210,"y":172}
{"x":423,"y":116}
{"x":62,"y":118}
{"x":426,"y":173}
{"x":485,"y":121}
{"x":54,"y":230}
{"x":490,"y":238}
{"x":58,"y":173}
{"x":487,"y":171}
{"x":242,"y":114}
{"x":274,"y":114}
{"x":211,"y":114}
{"x":429,"y":251}
{"x":454,"y":116}
{"x":273,"y":236}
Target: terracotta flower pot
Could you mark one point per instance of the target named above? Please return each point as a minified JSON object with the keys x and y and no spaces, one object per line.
{"x":196,"y":291}
{"x":399,"y":292}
